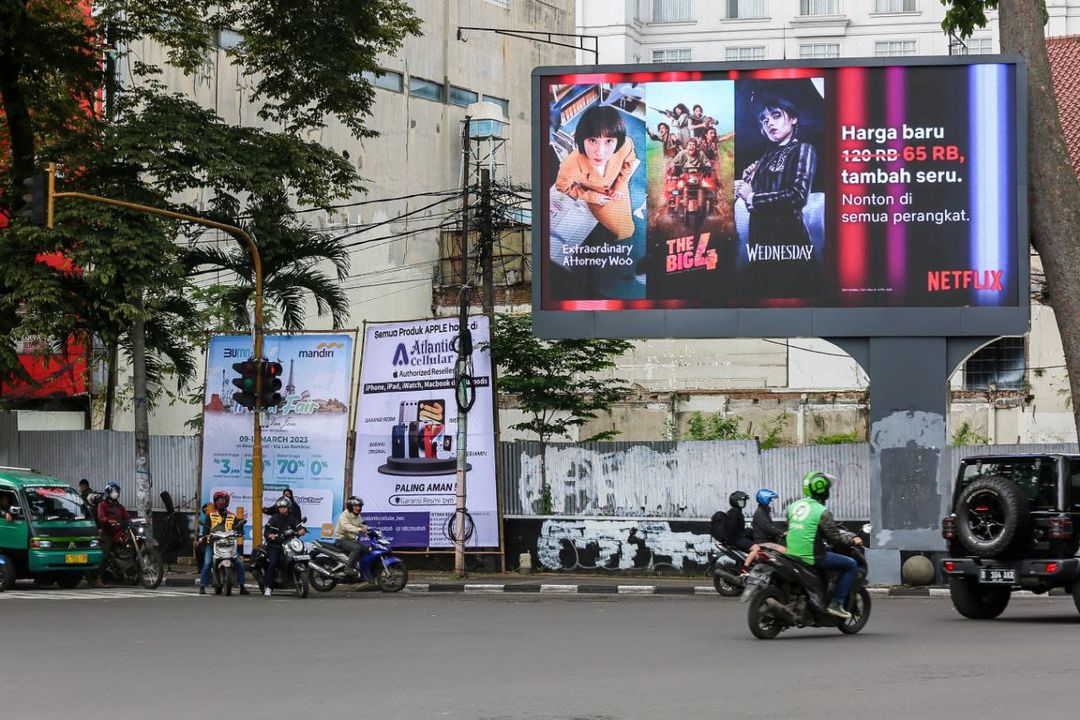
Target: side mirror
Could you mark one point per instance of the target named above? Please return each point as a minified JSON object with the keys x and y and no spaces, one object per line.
{"x":303,"y":520}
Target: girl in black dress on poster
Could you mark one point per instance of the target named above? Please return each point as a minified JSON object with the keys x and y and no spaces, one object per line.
{"x":781,"y":260}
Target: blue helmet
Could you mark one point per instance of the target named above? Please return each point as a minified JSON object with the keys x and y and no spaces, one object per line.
{"x":765,"y":496}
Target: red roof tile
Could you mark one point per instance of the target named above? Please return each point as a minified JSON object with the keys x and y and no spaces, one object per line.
{"x":1064,"y":55}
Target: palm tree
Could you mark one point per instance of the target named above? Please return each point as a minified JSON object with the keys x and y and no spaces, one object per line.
{"x":293,"y":259}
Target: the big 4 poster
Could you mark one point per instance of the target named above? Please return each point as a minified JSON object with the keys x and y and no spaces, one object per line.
{"x":883,"y":186}
{"x":304,"y":441}
{"x":406,"y":433}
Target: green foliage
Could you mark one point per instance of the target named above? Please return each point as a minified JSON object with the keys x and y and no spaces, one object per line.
{"x":715,"y":427}
{"x":558,"y":383}
{"x":838,"y":438}
{"x":148,"y":145}
{"x":962,"y":17}
{"x":965,"y":435}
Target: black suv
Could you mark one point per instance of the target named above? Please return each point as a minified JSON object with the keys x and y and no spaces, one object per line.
{"x":1012,"y":529}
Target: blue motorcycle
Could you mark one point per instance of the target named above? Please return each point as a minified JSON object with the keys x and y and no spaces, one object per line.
{"x":329,"y":565}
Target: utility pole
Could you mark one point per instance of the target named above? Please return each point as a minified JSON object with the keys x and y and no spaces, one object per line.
{"x":461,"y":369}
{"x":487,"y":241}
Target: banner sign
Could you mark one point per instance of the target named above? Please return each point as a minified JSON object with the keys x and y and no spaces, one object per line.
{"x":817,"y":186}
{"x":303,"y":441}
{"x":406,"y":433}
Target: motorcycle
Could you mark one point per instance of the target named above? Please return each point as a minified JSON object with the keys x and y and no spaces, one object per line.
{"x":135,"y":558}
{"x":724,"y":565}
{"x":224,"y":558}
{"x":330,"y":565}
{"x":691,"y":193}
{"x":292,"y":569}
{"x":785,"y":592}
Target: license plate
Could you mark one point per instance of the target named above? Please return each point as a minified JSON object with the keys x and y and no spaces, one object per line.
{"x":79,"y":559}
{"x":998,"y":575}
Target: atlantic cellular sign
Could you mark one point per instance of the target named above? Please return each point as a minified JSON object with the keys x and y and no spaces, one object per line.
{"x":820,"y":199}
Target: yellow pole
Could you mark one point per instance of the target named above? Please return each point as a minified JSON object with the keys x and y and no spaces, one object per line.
{"x":256,"y":451}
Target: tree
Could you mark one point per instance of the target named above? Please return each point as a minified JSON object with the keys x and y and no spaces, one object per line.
{"x":148,"y":145}
{"x":1054,"y":191}
{"x":292,"y":255}
{"x":558,"y":383}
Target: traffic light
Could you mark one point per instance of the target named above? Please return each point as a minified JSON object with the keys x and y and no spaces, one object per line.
{"x":248,"y":371}
{"x":36,"y":199}
{"x":271,"y":384}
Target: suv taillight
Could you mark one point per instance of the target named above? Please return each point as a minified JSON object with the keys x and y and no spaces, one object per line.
{"x":948,"y":527}
{"x":1061,"y":528}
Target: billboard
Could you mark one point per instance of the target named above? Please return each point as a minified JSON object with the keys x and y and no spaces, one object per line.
{"x":819,"y":199}
{"x":304,"y":440}
{"x":406,"y":433}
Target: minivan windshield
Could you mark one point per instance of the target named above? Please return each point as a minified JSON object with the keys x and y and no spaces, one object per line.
{"x":47,"y":504}
{"x":1037,"y":477}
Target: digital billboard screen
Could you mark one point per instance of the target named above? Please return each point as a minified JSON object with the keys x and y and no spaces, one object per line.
{"x":820,"y":199}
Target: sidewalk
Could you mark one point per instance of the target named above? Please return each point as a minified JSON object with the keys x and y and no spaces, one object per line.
{"x":428,"y":581}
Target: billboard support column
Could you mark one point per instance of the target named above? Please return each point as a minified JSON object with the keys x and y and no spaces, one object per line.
{"x":910,"y":480}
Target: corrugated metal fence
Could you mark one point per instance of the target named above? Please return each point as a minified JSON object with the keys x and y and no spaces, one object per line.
{"x":687,"y":479}
{"x":102,"y":456}
{"x":692,"y":479}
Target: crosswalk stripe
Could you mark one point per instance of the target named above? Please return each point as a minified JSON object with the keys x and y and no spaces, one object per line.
{"x":92,"y":594}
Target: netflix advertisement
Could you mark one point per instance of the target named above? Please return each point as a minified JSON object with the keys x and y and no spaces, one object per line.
{"x":797,"y":187}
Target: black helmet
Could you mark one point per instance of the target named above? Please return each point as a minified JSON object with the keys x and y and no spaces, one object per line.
{"x":282,"y":502}
{"x":738,"y":499}
{"x":353,"y":500}
{"x":112,"y":492}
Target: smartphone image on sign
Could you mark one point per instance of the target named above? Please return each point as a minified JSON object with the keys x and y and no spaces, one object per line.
{"x":432,"y":437}
{"x":433,"y":411}
{"x":416,"y":438}
{"x":398,"y":438}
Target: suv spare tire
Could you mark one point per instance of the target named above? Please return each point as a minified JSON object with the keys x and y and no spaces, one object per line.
{"x":992,"y":517}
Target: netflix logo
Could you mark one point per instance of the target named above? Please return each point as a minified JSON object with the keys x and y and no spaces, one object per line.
{"x":684,"y":253}
{"x":939,"y":280}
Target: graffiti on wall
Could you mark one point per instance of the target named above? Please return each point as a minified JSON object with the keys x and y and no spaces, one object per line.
{"x":595,"y":544}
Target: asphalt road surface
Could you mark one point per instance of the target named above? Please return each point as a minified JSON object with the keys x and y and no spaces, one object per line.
{"x":367,"y":655}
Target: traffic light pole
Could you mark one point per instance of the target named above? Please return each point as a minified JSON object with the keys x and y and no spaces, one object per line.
{"x":256,"y":451}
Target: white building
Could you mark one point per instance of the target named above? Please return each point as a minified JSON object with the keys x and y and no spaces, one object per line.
{"x":1014,"y":390}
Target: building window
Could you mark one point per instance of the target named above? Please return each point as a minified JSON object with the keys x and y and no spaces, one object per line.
{"x":426,"y":89}
{"x":819,"y":7}
{"x":819,"y":50}
{"x":504,"y":104}
{"x":976,"y":46}
{"x":671,"y":56}
{"x":744,"y":53}
{"x":894,"y":6}
{"x":388,"y":80}
{"x":891,"y":48}
{"x":462,"y":97}
{"x":228,"y":39}
{"x":668,"y":11}
{"x":745,"y":9}
{"x":1001,"y":364}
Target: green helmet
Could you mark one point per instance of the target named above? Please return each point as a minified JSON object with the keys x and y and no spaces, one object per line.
{"x":816,"y":484}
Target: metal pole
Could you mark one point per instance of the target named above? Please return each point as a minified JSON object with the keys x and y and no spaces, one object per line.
{"x":256,"y":261}
{"x":462,"y":364}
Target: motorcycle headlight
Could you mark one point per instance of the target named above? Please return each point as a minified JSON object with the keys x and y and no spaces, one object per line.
{"x":95,"y":543}
{"x":296,"y":545}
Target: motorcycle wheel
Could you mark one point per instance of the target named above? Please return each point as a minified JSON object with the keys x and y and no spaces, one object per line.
{"x":300,"y":581}
{"x":7,"y":574}
{"x":762,"y":625}
{"x":725,"y":588}
{"x":225,"y":579}
{"x":860,"y":613}
{"x":393,"y":577}
{"x":321,"y":583}
{"x":153,"y":569}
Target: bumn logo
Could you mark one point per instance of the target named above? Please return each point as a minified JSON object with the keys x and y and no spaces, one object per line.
{"x":401,"y":356}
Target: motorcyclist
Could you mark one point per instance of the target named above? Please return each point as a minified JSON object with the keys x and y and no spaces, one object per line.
{"x":219,"y":514}
{"x":281,"y":521}
{"x":762,"y":525}
{"x":810,"y":526}
{"x":730,"y":527}
{"x":112,"y":519}
{"x":294,"y":507}
{"x":350,"y":532}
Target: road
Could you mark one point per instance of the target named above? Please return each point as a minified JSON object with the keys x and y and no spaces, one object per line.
{"x":368,"y":655}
